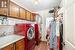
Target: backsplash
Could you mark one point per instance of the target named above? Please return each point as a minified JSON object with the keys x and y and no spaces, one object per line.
{"x":8,"y":25}
{"x":8,"y":29}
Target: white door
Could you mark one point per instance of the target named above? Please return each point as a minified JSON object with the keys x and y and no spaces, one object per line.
{"x":69,"y":24}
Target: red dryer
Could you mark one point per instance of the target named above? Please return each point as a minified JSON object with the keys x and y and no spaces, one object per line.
{"x":26,"y":30}
{"x":37,"y":34}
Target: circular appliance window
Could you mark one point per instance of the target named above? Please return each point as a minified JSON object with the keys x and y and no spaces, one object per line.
{"x":30,"y":33}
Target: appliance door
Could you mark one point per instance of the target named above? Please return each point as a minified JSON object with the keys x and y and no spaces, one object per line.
{"x":30,"y":33}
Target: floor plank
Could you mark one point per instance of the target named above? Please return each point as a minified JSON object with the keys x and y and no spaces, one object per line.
{"x":41,"y":46}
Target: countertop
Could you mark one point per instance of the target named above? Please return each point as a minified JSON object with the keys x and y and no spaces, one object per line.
{"x":9,"y":39}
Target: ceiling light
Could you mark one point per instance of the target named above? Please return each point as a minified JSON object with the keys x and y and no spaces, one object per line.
{"x":36,"y":1}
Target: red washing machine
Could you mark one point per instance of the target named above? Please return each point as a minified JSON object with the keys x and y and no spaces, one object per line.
{"x":26,"y":30}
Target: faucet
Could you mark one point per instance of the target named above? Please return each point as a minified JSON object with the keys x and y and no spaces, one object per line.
{"x":3,"y":34}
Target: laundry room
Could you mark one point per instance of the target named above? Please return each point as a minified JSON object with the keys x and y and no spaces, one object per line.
{"x":37,"y":25}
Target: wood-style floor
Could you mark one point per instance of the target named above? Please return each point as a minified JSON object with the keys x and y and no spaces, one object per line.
{"x":41,"y":46}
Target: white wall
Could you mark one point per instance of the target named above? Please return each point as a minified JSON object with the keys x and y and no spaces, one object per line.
{"x":69,"y":24}
{"x":12,"y":21}
{"x":44,"y":14}
{"x":9,"y":28}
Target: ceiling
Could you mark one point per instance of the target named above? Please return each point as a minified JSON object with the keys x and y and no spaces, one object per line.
{"x":42,"y":4}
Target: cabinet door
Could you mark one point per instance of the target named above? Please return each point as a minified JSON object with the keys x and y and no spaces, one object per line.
{"x":28,"y":15}
{"x":4,"y":7}
{"x":22,"y":13}
{"x":33,"y":16}
{"x":25,"y":14}
{"x":20,"y":45}
{"x":14,"y":10}
{"x":10,"y":47}
{"x":3,"y":11}
{"x":4,"y":3}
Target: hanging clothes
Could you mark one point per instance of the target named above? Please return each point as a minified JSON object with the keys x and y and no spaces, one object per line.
{"x":61,"y":36}
{"x":58,"y":33}
{"x":57,"y":29}
{"x":53,"y":37}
